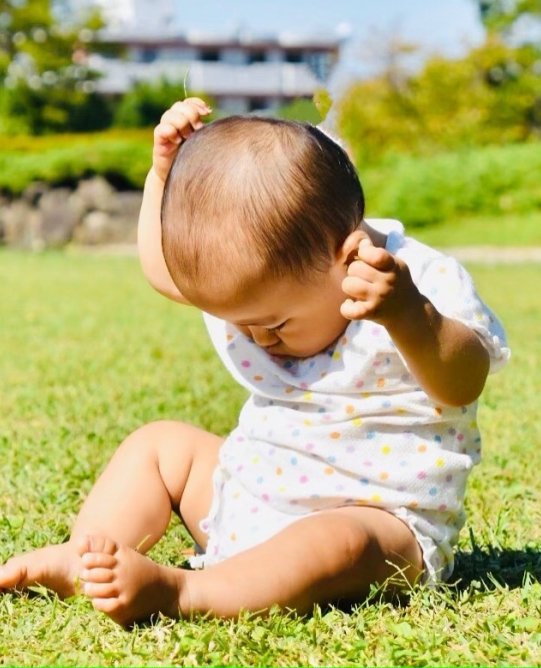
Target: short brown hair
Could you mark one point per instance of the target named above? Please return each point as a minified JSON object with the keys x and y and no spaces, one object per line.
{"x":260,"y":196}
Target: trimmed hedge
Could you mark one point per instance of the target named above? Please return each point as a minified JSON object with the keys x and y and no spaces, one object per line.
{"x":419,"y":191}
{"x":481,"y":181}
{"x":123,"y":158}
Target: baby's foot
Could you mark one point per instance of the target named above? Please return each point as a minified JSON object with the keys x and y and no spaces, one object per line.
{"x":55,"y":567}
{"x":126,"y":585}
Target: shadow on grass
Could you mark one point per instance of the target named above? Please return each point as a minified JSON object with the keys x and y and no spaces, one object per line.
{"x":494,"y":566}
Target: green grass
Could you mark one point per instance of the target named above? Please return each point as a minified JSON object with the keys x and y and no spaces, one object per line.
{"x":495,"y":230}
{"x":88,"y":353}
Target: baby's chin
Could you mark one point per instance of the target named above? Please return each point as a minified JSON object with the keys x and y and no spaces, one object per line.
{"x":281,"y":351}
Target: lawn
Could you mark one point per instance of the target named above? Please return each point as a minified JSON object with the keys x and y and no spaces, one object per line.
{"x":496,"y":231}
{"x":89,"y":352}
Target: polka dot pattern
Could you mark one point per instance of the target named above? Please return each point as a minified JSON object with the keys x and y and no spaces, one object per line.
{"x":349,"y":426}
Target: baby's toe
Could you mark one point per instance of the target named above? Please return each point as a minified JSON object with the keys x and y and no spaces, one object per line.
{"x":12,"y":573}
{"x":98,"y":560}
{"x":94,"y":543}
{"x":114,"y":609}
{"x":102,"y":590}
{"x":107,"y":605}
{"x":98,"y":574}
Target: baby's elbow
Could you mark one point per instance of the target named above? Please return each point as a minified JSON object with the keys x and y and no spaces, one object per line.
{"x":463,"y":398}
{"x":470,"y":384}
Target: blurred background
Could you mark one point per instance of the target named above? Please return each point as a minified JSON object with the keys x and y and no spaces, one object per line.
{"x":439,"y":104}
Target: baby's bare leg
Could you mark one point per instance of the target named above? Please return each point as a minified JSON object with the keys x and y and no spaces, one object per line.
{"x":160,"y":467}
{"x":325,"y":557}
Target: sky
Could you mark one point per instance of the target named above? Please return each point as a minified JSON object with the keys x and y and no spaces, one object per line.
{"x":439,"y":24}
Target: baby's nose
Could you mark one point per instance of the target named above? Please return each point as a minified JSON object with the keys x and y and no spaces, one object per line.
{"x":263,"y":336}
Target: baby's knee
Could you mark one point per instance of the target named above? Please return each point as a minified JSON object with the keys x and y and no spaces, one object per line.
{"x":152,"y":438}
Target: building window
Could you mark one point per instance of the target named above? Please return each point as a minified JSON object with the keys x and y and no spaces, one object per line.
{"x":148,"y":55}
{"x":257,"y":57}
{"x":256,"y":104}
{"x":320,"y":64}
{"x":210,"y":55}
{"x":293,"y":57}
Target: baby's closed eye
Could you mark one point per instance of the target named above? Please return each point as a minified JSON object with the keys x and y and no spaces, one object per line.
{"x":277,"y":328}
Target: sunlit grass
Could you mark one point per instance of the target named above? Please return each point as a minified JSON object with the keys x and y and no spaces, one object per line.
{"x":89,"y":353}
{"x":497,"y":230}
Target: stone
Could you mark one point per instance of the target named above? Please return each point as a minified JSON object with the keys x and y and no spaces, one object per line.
{"x":34,"y":192}
{"x":96,"y":194}
{"x":22,"y":226}
{"x":58,"y":219}
{"x":116,"y":226}
{"x":126,"y":215}
{"x":95,"y":229}
{"x":92,"y":214}
{"x":4,"y":203}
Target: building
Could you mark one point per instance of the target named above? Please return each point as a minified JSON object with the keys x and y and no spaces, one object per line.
{"x":240,"y":71}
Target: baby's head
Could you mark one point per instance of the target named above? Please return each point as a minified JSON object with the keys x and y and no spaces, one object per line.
{"x":254,"y":201}
{"x":251,"y":198}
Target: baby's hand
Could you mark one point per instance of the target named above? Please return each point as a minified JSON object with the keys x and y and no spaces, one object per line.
{"x":176,"y":124}
{"x":379,"y":286}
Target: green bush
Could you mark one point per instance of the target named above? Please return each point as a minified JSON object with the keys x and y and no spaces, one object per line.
{"x":121,"y":157}
{"x":490,"y":96}
{"x":423,"y":191}
{"x":143,"y":105}
{"x":300,"y":110}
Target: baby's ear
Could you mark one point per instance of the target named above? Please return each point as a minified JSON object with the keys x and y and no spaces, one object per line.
{"x":347,"y":252}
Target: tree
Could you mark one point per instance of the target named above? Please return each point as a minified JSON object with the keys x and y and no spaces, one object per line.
{"x":515,"y":19}
{"x":490,"y":96}
{"x":46,"y":84}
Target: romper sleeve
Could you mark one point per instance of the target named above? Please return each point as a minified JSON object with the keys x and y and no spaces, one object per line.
{"x":451,"y":290}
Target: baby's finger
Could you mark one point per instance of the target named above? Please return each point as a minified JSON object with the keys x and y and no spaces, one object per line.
{"x":166,"y":134}
{"x":356,"y":287}
{"x":181,"y":122}
{"x":200,"y":104}
{"x":354,"y":310}
{"x":190,"y":111}
{"x":363,"y":270}
{"x":378,"y":258}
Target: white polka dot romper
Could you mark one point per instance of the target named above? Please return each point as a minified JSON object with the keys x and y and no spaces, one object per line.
{"x":350,"y":426}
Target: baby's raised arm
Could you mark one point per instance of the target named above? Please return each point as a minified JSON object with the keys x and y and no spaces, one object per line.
{"x":446,"y":356}
{"x":176,"y":124}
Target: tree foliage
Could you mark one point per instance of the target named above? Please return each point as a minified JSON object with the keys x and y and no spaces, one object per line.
{"x":143,"y":105}
{"x":503,"y":15}
{"x":46,"y":84}
{"x":491,"y":95}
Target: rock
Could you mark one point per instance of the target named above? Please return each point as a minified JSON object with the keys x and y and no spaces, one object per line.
{"x":78,"y":205}
{"x":126,"y":215}
{"x":22,"y":226}
{"x":118,"y":226}
{"x":34,"y":192}
{"x":58,"y":219}
{"x":94,"y":229}
{"x":93,"y":214}
{"x":4,"y":203}
{"x":96,"y":194}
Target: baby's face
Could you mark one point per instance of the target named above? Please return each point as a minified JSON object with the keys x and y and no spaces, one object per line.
{"x":287,"y":317}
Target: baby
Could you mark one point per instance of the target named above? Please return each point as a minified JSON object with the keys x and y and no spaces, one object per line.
{"x":363,"y":351}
